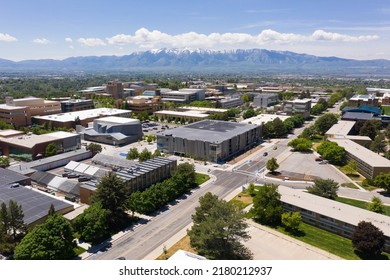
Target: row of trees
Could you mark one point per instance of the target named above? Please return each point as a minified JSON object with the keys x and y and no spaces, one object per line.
{"x":144,"y":155}
{"x":279,"y":129}
{"x":159,"y":194}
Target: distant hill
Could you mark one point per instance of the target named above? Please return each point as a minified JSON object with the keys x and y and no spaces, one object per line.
{"x":252,"y":60}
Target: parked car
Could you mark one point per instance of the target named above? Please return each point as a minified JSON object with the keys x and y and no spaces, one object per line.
{"x":265,"y":154}
{"x":84,"y":178}
{"x":319,"y":159}
{"x":73,"y":175}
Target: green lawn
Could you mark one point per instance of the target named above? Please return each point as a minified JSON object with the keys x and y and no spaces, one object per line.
{"x":361,"y":204}
{"x":201,"y":178}
{"x":386,"y":110}
{"x":332,"y":243}
{"x":78,"y":250}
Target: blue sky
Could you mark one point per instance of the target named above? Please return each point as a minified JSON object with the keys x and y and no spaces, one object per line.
{"x":64,"y":28}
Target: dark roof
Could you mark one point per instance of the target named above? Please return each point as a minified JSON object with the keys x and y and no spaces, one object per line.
{"x":364,"y":109}
{"x":35,"y":204}
{"x":42,"y":177}
{"x":357,"y":116}
{"x":9,"y":177}
{"x":209,"y":130}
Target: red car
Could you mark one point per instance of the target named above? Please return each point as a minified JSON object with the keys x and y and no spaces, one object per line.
{"x":319,"y":159}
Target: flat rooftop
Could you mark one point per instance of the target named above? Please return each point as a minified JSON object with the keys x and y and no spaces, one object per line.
{"x":29,"y":141}
{"x":86,"y":114}
{"x":202,"y":109}
{"x":118,"y":120}
{"x":183,"y":114}
{"x":209,"y":131}
{"x":368,"y":156}
{"x":264,"y":118}
{"x":10,"y":107}
{"x":341,"y":128}
{"x":35,"y":204}
{"x":333,"y":209}
{"x":9,"y":132}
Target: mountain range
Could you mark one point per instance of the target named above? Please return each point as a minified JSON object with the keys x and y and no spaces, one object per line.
{"x":250,"y":60}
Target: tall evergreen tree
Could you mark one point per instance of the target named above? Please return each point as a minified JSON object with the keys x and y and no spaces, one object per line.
{"x":218,"y":228}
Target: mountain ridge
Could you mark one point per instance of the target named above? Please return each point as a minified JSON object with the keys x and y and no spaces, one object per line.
{"x":242,"y":60}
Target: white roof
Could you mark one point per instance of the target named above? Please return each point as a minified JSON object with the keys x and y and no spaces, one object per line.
{"x":71,"y":165}
{"x":116,"y":120}
{"x":183,"y":114}
{"x":259,"y":119}
{"x":61,"y":134}
{"x":333,"y":209}
{"x":86,"y":114}
{"x":201,"y":109}
{"x":341,"y":128}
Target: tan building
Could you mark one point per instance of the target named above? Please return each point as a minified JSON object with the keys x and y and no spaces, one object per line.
{"x":139,"y":104}
{"x":115,"y":89}
{"x":37,"y":106}
{"x":19,"y":116}
{"x":364,"y":100}
{"x":369,"y":164}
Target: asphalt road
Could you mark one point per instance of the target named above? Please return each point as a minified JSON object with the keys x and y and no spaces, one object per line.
{"x":143,"y":239}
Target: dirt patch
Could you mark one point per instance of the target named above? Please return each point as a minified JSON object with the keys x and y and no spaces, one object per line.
{"x":292,"y":176}
{"x":183,"y":244}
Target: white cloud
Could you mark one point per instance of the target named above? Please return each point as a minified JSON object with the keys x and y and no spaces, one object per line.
{"x":321,"y":35}
{"x":91,"y":42}
{"x":69,"y":40}
{"x":4,"y":37}
{"x":144,"y":38}
{"x":42,"y":41}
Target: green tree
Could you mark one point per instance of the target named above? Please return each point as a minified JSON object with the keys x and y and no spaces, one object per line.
{"x":52,"y":240}
{"x":368,"y":240}
{"x":376,"y":205}
{"x":51,"y":150}
{"x":332,"y":152}
{"x":351,"y":167}
{"x":94,"y":148}
{"x":156,"y":153}
{"x":150,"y":139}
{"x":52,"y":210}
{"x":325,"y":122}
{"x":144,"y":155}
{"x":317,"y":109}
{"x":291,"y":221}
{"x":111,"y":193}
{"x":16,"y":219}
{"x":300,"y":144}
{"x":383,"y":181}
{"x":371,"y":128}
{"x":132,"y":154}
{"x":249,"y":113}
{"x":326,"y":188}
{"x":379,"y":144}
{"x":267,"y":208}
{"x":218,"y":231}
{"x":92,"y":224}
{"x":308,"y":132}
{"x":279,"y":127}
{"x":4,"y":161}
{"x":268,"y":130}
{"x":272,"y":165}
{"x":247,"y":97}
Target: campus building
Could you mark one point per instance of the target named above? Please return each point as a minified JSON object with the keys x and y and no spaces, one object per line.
{"x":74,"y":105}
{"x":230,"y":102}
{"x":298,"y":106}
{"x":18,"y":116}
{"x":184,"y":95}
{"x":263,"y":100}
{"x":369,"y":164}
{"x":364,"y":100}
{"x":30,"y":146}
{"x":37,"y":106}
{"x":210,"y":140}
{"x":330,"y":215}
{"x":342,"y":129}
{"x":136,"y":176}
{"x":68,"y":120}
{"x":114,"y":131}
{"x":144,"y":103}
{"x":35,"y":204}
